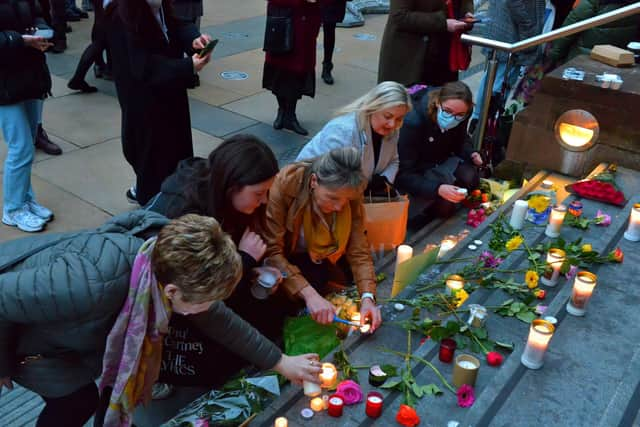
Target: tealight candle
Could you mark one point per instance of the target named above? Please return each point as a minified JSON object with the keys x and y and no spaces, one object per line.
{"x":633,"y":232}
{"x":518,"y":213}
{"x":317,"y":404}
{"x":540,"y":333}
{"x":583,"y":286}
{"x":311,"y":389}
{"x":374,"y":404}
{"x":281,"y":422}
{"x":445,"y":246}
{"x":555,"y":221}
{"x":555,"y":258}
{"x":454,"y":283}
{"x":465,"y":370}
{"x":328,"y":376}
{"x":336,"y":405}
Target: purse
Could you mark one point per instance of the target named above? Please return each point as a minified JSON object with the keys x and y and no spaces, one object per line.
{"x":278,"y":34}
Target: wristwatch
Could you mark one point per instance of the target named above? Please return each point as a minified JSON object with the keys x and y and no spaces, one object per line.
{"x":367,"y":295}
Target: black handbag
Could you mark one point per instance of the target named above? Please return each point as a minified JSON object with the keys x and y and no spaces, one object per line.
{"x":278,"y":35}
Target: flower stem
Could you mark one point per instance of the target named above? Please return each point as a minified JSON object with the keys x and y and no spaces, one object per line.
{"x":453,"y":312}
{"x":426,"y":362}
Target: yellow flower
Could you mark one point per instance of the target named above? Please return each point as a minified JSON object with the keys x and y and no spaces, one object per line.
{"x":587,"y":247}
{"x":514,"y":243}
{"x":461,"y":296}
{"x":531,"y":278}
{"x":539,"y":203}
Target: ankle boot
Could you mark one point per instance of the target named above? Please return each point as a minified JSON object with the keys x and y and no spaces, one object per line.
{"x":291,"y":121}
{"x":279,"y":121}
{"x":59,"y":39}
{"x":43,"y":143}
{"x":327,"y":67}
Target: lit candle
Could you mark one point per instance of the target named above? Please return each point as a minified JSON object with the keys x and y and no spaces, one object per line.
{"x":633,"y":232}
{"x":540,"y":333}
{"x":336,"y":405}
{"x":445,"y":246}
{"x":317,"y":404}
{"x":328,"y":376}
{"x":374,"y":404}
{"x":454,"y":283}
{"x":555,"y":221}
{"x":583,"y":286}
{"x":281,"y":422}
{"x":447,"y":348}
{"x":355,"y":317}
{"x":311,"y":389}
{"x":465,"y":370}
{"x":518,"y":213}
{"x":555,"y":258}
{"x":404,"y":253}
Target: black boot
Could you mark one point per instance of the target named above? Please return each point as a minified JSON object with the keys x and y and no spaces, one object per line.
{"x":326,"y":72}
{"x":59,"y":39}
{"x":290,"y":120}
{"x":43,"y":143}
{"x":278,"y":122}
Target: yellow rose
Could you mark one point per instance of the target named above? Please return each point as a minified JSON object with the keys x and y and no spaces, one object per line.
{"x":531,"y":278}
{"x":587,"y":247}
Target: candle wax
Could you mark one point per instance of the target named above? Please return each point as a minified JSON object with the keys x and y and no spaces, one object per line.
{"x":466,"y":364}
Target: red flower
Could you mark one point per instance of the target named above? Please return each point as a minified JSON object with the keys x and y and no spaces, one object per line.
{"x":407,"y":416}
{"x":494,"y":358}
{"x":540,"y":293}
{"x":476,"y":193}
{"x":617,"y":255}
{"x":485,"y":197}
{"x":466,"y":397}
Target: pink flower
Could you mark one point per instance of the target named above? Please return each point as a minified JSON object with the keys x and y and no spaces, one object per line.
{"x":494,"y":358}
{"x":466,"y":397}
{"x":201,"y":422}
{"x":489,"y":260}
{"x":572,"y":272}
{"x":602,"y":218}
{"x":350,"y":392}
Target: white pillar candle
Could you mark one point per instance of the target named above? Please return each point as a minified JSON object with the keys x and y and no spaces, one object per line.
{"x":583,"y":286}
{"x":281,"y":422}
{"x":540,"y":334}
{"x":311,"y":389}
{"x":633,"y":232}
{"x":445,"y":246}
{"x":555,"y":258}
{"x":454,"y":283}
{"x":404,"y":253}
{"x":555,"y":221}
{"x":518,"y":213}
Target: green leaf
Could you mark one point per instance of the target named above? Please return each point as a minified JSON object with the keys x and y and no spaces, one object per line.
{"x":526,"y":316}
{"x":480,"y":333}
{"x":417,"y":390}
{"x":453,"y":327}
{"x":431,"y":390}
{"x":392,"y":383}
{"x":504,"y":345}
{"x":390,"y":370}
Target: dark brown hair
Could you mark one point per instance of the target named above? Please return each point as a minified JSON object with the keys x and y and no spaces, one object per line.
{"x":451,"y":90}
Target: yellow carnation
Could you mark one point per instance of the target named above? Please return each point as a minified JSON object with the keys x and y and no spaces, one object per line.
{"x":587,"y":247}
{"x":514,"y":243}
{"x":539,"y":203}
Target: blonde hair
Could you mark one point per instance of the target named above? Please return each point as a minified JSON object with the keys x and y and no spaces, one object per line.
{"x":384,"y":95}
{"x":194,"y":254}
{"x":338,"y":168}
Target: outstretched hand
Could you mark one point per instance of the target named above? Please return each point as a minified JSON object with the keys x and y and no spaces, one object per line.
{"x":296,"y":369}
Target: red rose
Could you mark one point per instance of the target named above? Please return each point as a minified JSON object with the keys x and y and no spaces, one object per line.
{"x":485,"y":197}
{"x":476,"y":193}
{"x":494,"y":358}
{"x":407,"y":416}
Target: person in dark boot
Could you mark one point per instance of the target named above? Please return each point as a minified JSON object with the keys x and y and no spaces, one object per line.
{"x":289,"y":71}
{"x":92,"y":54}
{"x":43,"y":142}
{"x":332,"y":13}
{"x":59,"y":24}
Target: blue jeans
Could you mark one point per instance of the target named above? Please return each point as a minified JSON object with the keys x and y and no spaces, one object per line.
{"x":497,"y":85}
{"x":19,"y":123}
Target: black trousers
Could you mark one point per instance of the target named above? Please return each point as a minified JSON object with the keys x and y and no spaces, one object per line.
{"x":72,"y":410}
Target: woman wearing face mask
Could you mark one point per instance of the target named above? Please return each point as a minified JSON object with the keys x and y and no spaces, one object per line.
{"x":314,"y":224}
{"x":147,"y":44}
{"x":436,"y":156}
{"x":370,"y":124}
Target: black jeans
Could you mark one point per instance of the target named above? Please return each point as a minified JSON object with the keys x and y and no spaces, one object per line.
{"x":72,"y":410}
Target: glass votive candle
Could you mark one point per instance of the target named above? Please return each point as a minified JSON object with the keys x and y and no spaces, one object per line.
{"x":404,"y":253}
{"x":465,"y":370}
{"x":373,"y":408}
{"x":633,"y":231}
{"x":540,"y":333}
{"x":317,"y":404}
{"x":447,"y":348}
{"x":583,"y":286}
{"x":281,"y":422}
{"x":555,"y":258}
{"x":328,"y":376}
{"x":555,"y":220}
{"x":311,"y":389}
{"x":336,"y":405}
{"x":445,"y":246}
{"x":454,"y":283}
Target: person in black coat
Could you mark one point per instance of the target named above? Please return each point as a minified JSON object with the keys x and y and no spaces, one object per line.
{"x":151,"y":73}
{"x":436,"y":157}
{"x":332,"y":12}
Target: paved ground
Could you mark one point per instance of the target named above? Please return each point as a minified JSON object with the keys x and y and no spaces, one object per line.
{"x":87,"y":183}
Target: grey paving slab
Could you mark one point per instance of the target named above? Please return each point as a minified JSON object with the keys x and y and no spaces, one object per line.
{"x":279,"y":141}
{"x":67,"y":147}
{"x":62,"y":63}
{"x":237,"y":36}
{"x":216,"y":121}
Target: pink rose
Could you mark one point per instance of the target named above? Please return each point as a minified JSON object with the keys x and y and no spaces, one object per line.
{"x":350,"y":392}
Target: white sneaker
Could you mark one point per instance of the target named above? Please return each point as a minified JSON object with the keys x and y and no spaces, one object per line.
{"x":23,"y":219}
{"x":39,"y":210}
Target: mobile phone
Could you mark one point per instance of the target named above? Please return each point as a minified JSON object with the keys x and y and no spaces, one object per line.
{"x":47,"y":34}
{"x":208,"y":48}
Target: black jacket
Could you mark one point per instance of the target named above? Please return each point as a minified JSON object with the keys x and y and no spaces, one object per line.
{"x":23,"y":70}
{"x":422,"y":146}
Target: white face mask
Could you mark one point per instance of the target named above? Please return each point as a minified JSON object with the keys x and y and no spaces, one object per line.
{"x":154,"y":4}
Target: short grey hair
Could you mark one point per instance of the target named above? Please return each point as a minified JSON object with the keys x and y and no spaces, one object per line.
{"x":339,"y":168}
{"x":384,"y":95}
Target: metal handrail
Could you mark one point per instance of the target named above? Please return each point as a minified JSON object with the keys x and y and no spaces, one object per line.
{"x":492,"y":62}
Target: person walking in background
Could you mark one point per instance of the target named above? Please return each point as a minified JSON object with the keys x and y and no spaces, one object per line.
{"x":289,"y":68}
{"x":147,"y":45}
{"x":332,"y":12}
{"x":417,"y":41}
{"x":26,"y":81}
{"x":189,"y":10}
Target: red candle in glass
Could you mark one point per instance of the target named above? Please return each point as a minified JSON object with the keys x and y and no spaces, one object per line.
{"x":336,"y":405}
{"x":447,"y":348}
{"x":374,"y":404}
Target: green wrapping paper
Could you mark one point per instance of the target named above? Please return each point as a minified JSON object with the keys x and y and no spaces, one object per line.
{"x":303,"y":335}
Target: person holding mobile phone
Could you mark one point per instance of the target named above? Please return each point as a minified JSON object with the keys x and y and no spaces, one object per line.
{"x":26,"y":79}
{"x":151,"y":73}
